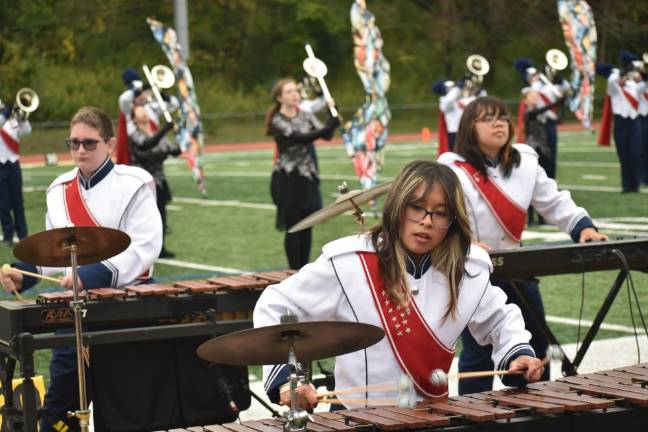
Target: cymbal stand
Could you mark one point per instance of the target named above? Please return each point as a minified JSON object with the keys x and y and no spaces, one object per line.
{"x":358,"y":214}
{"x":83,"y":413}
{"x":295,"y":419}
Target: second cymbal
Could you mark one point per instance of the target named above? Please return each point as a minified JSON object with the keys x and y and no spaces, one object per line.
{"x":269,"y":345}
{"x":343,"y":203}
{"x":51,"y":248}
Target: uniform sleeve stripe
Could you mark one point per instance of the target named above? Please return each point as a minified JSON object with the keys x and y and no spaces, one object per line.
{"x":503,"y":364}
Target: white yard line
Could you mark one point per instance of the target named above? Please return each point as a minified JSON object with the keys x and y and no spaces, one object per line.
{"x":198,"y":266}
{"x":587,"y":324}
{"x":221,"y":203}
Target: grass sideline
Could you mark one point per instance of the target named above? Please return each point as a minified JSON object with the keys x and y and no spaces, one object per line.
{"x":234,"y":227}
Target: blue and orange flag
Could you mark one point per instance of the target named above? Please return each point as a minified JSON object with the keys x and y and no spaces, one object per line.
{"x":579,"y":29}
{"x":189,"y":131}
{"x":366,"y":134}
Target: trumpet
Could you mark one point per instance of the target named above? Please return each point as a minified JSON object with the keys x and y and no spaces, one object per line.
{"x":478,"y":67}
{"x":160,"y":77}
{"x":27,"y":102}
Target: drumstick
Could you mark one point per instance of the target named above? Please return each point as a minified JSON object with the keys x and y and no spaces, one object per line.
{"x":6,"y":268}
{"x":360,"y":401}
{"x":371,"y":387}
{"x":439,"y":377}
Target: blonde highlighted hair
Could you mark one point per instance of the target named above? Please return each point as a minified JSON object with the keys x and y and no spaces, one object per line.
{"x":449,"y":257}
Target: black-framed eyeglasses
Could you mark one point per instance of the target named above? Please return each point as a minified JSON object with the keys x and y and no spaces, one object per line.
{"x":491,"y":119}
{"x":88,"y":144}
{"x":440,"y":219}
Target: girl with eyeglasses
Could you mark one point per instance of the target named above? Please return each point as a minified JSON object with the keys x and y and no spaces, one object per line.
{"x":416,"y":275}
{"x":500,"y":181}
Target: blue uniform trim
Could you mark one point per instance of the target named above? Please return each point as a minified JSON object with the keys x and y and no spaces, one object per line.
{"x":278,"y":376}
{"x":585,"y":222}
{"x":28,"y":281}
{"x":515,"y":352}
{"x":98,"y":275}
{"x":417,"y":271}
{"x":98,"y":175}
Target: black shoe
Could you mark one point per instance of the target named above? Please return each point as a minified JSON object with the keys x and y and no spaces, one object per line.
{"x":166,"y":254}
{"x":8,"y":243}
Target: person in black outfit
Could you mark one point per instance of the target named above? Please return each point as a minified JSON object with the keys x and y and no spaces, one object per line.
{"x":148,"y":150}
{"x":295,"y":177}
{"x":537,"y":137}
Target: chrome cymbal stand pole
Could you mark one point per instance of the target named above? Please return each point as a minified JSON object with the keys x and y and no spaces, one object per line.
{"x":295,"y":419}
{"x":83,"y":414}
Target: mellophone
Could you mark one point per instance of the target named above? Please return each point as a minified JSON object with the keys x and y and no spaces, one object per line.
{"x":218,"y":298}
{"x":591,"y":402}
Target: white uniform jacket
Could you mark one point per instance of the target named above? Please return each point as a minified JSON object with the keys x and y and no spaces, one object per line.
{"x":452,"y":105}
{"x":527,"y":185}
{"x":334,"y":287}
{"x":621,"y":106}
{"x":14,"y":129}
{"x":549,"y":95}
{"x":120,"y":197}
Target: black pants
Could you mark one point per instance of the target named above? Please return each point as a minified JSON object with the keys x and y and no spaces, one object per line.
{"x":298,"y":245}
{"x":11,"y":201}
{"x":475,"y":357}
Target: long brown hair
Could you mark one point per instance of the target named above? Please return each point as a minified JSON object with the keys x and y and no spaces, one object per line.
{"x":449,"y":257}
{"x":467,"y":142}
{"x":277,"y":89}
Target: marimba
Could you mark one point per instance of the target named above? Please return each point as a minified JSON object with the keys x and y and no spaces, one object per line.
{"x":602,"y":401}
{"x":139,"y":313}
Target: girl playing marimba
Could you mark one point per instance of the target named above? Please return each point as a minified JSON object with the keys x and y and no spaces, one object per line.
{"x":416,"y":275}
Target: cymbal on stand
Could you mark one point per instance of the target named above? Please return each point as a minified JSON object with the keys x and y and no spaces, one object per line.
{"x":270,"y":345}
{"x":51,"y":248}
{"x":342,"y":203}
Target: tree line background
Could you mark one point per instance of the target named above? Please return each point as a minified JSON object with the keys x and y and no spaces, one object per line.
{"x":73,"y":52}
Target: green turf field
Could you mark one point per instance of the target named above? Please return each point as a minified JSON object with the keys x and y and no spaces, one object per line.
{"x":234,"y":227}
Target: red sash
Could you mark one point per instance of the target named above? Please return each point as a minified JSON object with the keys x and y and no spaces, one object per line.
{"x":77,"y":210}
{"x":507,"y":212}
{"x":414,"y":344}
{"x":547,"y":101}
{"x":442,"y":133}
{"x":123,"y":151}
{"x":8,"y":139}
{"x":80,"y":215}
{"x":521,"y":133}
{"x":606,"y":123}
{"x":631,"y":99}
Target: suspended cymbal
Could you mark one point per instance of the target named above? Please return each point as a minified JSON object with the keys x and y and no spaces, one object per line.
{"x":342,"y":204}
{"x":51,"y":248}
{"x":269,"y":345}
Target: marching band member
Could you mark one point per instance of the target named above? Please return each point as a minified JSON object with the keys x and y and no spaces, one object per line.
{"x":548,"y":95}
{"x":295,"y":177}
{"x":500,"y":181}
{"x":624,"y":93}
{"x":451,"y":106}
{"x":148,"y":151}
{"x":13,"y":126}
{"x":416,"y":275}
{"x":95,"y":193}
{"x":138,"y":93}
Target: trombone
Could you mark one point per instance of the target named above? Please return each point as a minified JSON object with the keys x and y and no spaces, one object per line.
{"x":27,"y":102}
{"x":160,"y":77}
{"x":556,"y":61}
{"x":317,"y":69}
